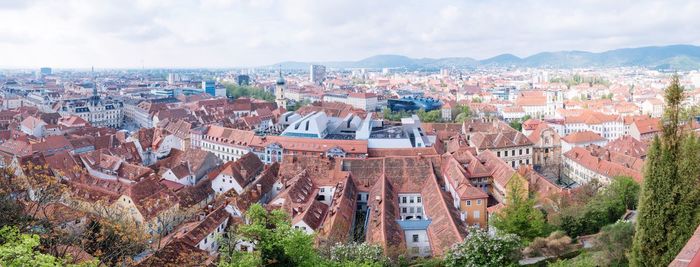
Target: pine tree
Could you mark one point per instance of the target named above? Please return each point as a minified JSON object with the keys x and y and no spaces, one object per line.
{"x":670,"y":196}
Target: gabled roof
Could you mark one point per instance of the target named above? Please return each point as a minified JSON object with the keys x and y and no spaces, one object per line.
{"x":338,"y":223}
{"x":382,"y":228}
{"x":600,"y":164}
{"x":445,"y":228}
{"x":206,"y":226}
{"x":177,"y":253}
{"x":499,"y":140}
{"x":501,"y":171}
{"x":243,"y":170}
{"x":628,"y":145}
{"x":646,"y":126}
{"x":583,"y":137}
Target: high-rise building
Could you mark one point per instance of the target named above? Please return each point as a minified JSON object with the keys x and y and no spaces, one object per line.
{"x":209,"y":87}
{"x":317,"y":73}
{"x":243,"y":79}
{"x":173,"y":78}
{"x":45,"y":71}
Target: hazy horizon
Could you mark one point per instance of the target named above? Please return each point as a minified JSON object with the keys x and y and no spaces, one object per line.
{"x":237,"y":33}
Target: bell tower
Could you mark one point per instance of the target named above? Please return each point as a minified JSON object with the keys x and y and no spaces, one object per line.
{"x":280,"y":87}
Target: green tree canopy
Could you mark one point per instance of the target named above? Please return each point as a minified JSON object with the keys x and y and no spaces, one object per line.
{"x":520,"y":216}
{"x":276,"y":241}
{"x":236,"y":91}
{"x":18,"y":249}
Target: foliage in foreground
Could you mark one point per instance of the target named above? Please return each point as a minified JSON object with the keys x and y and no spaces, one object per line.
{"x":520,"y":217}
{"x":668,"y":205}
{"x":481,"y":249}
{"x":19,"y":249}
{"x":592,"y":206}
{"x":278,"y":244}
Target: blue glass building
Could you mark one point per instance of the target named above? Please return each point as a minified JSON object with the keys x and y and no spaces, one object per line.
{"x":414,"y":104}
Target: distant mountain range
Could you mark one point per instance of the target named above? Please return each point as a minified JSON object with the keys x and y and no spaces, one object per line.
{"x":673,"y":57}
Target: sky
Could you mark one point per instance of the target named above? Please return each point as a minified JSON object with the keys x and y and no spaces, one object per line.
{"x":245,"y":33}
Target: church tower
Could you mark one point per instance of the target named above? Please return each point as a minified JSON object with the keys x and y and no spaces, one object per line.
{"x":280,"y":87}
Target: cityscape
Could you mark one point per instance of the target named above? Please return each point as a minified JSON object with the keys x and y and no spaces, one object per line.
{"x":307,"y":133}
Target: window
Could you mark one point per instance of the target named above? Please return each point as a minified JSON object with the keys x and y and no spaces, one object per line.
{"x":403,"y":199}
{"x":478,"y":201}
{"x":469,"y":202}
{"x":411,"y":210}
{"x":322,"y":189}
{"x":419,"y":209}
{"x":527,"y":151}
{"x":476,"y":214}
{"x":520,"y":152}
{"x":505,"y":153}
{"x":411,"y":199}
{"x":404,"y":210}
{"x":415,"y":238}
{"x":498,"y":153}
{"x":417,"y":199}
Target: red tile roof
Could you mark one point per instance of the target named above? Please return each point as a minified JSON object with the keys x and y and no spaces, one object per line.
{"x":582,"y":137}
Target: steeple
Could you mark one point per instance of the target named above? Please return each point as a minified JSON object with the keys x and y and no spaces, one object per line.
{"x":280,"y":79}
{"x":279,"y":90}
{"x":95,"y":97}
{"x":94,"y":82}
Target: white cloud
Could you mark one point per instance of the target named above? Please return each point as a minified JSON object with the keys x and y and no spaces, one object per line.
{"x":225,"y":33}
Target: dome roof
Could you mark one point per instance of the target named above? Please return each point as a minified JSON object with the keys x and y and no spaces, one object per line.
{"x":280,"y":80}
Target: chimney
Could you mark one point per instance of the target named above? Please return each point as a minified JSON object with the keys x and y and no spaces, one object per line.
{"x":244,"y":173}
{"x":258,"y":187}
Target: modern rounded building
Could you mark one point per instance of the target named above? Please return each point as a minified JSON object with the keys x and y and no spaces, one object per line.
{"x":414,"y":103}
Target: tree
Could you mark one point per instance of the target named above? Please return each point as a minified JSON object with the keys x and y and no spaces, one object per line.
{"x":358,"y":254}
{"x":614,"y":243}
{"x":482,"y":249}
{"x":429,"y":116}
{"x":236,"y":91}
{"x":276,"y":241}
{"x":667,"y":213}
{"x":517,"y":125}
{"x":592,"y":206}
{"x":114,"y":242}
{"x":18,"y":249}
{"x":556,"y":244}
{"x":520,"y":216}
{"x":583,"y":260}
{"x":464,"y":114}
{"x":623,"y":190}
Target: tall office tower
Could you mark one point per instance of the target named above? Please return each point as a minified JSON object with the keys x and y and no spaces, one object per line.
{"x":173,"y":78}
{"x":317,"y":73}
{"x":243,"y":79}
{"x":209,"y":87}
{"x":45,"y":71}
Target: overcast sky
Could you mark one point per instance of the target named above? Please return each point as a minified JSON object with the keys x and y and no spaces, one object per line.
{"x":231,"y":33}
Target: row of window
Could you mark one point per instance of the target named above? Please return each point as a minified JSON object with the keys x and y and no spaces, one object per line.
{"x":469,"y":202}
{"x":411,"y":199}
{"x":412,"y":210}
{"x":505,"y":153}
